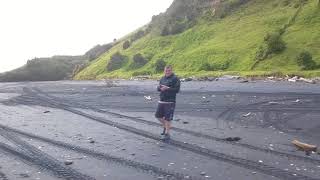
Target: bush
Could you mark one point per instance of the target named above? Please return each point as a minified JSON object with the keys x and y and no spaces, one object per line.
{"x":137,"y":35}
{"x":304,"y":60}
{"x":126,"y":44}
{"x":177,"y":28}
{"x":206,"y":67}
{"x":216,"y":66}
{"x":138,"y":61}
{"x":274,"y":5}
{"x":275,"y":43}
{"x":224,"y":65}
{"x":261,"y":53}
{"x":159,"y":65}
{"x":227,"y":6}
{"x":141,"y":73}
{"x":116,"y":62}
{"x":285,"y":2}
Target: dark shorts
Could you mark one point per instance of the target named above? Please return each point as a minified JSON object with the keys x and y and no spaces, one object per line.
{"x":165,"y":110}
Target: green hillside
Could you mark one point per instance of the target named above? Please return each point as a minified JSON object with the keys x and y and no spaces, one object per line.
{"x":252,"y":37}
{"x":53,"y":68}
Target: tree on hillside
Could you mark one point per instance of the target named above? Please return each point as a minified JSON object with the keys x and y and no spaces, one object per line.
{"x":305,"y":61}
{"x":138,"y":61}
{"x":126,"y":44}
{"x":116,"y":62}
{"x":159,"y":65}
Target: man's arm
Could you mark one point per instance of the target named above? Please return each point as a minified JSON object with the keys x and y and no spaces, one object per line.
{"x":159,"y":86}
{"x":176,"y":87}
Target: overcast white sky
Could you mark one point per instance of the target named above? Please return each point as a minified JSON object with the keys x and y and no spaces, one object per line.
{"x":43,"y":28}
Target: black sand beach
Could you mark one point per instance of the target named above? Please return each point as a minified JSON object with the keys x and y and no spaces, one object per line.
{"x":107,"y":130}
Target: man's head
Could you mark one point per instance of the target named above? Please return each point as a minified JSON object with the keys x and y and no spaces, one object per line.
{"x":168,"y":70}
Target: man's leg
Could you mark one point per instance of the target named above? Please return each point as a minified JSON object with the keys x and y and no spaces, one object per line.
{"x":159,"y":115}
{"x":162,"y":121}
{"x":163,"y":125}
{"x":167,"y":126}
{"x":169,"y":116}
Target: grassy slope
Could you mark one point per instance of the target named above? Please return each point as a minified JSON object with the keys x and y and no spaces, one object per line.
{"x":234,"y":38}
{"x":303,"y":34}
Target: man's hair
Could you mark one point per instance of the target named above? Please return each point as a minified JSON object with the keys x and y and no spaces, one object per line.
{"x":168,"y":67}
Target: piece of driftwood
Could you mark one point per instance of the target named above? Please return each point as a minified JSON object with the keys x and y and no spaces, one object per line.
{"x":304,"y":146}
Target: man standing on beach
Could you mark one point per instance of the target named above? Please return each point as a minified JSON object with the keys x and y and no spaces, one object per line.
{"x":169,"y":86}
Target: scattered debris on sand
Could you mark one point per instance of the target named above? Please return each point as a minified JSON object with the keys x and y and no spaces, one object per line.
{"x":110,"y":83}
{"x":139,"y":78}
{"x":240,"y":78}
{"x":301,"y":79}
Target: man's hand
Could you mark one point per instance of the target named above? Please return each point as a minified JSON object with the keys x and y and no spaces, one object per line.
{"x":163,"y":87}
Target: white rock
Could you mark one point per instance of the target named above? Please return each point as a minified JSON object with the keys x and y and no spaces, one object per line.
{"x":246,"y":115}
{"x":298,"y":100}
{"x":148,"y":97}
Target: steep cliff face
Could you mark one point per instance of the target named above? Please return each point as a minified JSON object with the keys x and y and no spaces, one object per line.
{"x":183,"y":14}
{"x":180,"y":16}
{"x":189,"y":8}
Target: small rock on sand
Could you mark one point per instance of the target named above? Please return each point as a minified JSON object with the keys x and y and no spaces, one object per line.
{"x":203,"y":173}
{"x":68,"y":162}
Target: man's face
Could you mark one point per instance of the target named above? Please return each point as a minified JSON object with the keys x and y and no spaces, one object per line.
{"x":167,"y":71}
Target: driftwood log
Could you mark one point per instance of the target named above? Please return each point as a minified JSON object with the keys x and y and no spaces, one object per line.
{"x":308,"y":148}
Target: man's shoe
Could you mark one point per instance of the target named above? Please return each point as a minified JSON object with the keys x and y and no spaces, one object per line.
{"x":163,"y":132}
{"x":166,"y":137}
